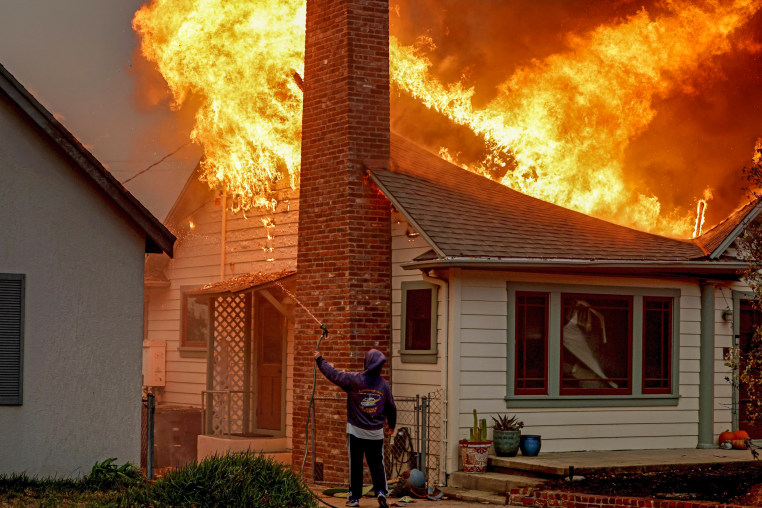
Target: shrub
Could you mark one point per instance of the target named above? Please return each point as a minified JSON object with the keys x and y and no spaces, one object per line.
{"x":241,"y":479}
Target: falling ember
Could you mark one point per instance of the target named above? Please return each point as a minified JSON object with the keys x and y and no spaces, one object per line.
{"x":557,"y":130}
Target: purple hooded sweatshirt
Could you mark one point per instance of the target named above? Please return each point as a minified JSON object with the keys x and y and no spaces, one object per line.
{"x":369,"y":401}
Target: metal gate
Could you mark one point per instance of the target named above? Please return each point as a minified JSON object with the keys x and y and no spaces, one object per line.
{"x":417,"y":442}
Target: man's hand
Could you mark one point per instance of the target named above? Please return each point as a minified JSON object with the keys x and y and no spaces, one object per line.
{"x":316,"y":354}
{"x":388,"y":431}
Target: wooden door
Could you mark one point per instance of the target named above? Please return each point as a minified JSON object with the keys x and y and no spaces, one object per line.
{"x":270,"y":329}
{"x":750,"y":319}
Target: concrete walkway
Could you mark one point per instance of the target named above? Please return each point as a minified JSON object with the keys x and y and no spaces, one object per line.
{"x":620,"y":461}
{"x":559,"y":463}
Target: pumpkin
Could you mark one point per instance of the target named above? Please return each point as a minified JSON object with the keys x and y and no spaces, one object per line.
{"x":727,"y":436}
{"x":740,"y":434}
{"x":739,"y":444}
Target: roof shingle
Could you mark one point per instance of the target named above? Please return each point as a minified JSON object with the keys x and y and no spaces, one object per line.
{"x":464,"y":214}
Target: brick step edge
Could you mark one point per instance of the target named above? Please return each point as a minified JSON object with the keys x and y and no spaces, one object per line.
{"x":528,"y":497}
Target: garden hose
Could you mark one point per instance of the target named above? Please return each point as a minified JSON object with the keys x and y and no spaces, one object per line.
{"x":323,"y":335}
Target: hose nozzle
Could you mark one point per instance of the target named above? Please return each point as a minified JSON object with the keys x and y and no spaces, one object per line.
{"x":325,"y":330}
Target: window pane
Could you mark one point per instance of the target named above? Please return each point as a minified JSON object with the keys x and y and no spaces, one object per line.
{"x":657,"y":345}
{"x":596,"y":344}
{"x":196,"y":321}
{"x":418,"y":319}
{"x":531,"y":344}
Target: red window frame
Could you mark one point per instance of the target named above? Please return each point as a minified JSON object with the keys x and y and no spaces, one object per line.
{"x":521,"y":353}
{"x":665,"y":344}
{"x":600,"y":391}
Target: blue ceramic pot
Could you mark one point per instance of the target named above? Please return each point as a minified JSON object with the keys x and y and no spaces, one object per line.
{"x":530,"y":445}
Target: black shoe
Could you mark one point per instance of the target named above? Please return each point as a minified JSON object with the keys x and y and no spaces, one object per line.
{"x":382,"y":501}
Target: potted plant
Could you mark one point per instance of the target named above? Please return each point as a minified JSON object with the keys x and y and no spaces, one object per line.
{"x":475,"y":451}
{"x":506,"y":435}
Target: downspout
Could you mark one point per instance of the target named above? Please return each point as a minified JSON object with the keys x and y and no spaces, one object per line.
{"x":445,"y":292}
{"x":706,"y":368}
{"x":224,"y":236}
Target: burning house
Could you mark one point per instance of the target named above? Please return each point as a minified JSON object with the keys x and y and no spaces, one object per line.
{"x":71,"y":297}
{"x":597,"y":335}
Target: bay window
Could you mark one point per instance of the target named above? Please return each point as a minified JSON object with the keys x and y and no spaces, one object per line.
{"x":591,"y":345}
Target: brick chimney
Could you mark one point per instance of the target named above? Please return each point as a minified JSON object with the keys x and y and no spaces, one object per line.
{"x":344,"y":255}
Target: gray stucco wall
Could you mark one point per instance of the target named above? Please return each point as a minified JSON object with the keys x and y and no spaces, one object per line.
{"x":83,"y":319}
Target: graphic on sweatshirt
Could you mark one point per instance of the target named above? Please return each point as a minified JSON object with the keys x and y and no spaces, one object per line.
{"x":369,"y":402}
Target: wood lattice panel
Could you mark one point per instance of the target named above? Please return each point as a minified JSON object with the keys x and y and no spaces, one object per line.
{"x":231,"y":339}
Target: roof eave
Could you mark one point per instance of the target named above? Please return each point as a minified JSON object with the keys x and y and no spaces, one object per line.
{"x":158,"y":234}
{"x":721,"y":269}
{"x":753,"y":213}
{"x":390,"y":196}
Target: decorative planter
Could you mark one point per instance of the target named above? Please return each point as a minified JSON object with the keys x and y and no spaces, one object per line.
{"x":474,"y":455}
{"x":506,"y":442}
{"x":530,"y":445}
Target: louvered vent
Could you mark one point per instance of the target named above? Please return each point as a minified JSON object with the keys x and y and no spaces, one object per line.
{"x":11,"y":337}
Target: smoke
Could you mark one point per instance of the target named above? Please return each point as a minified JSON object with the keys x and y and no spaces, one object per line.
{"x":702,"y":133}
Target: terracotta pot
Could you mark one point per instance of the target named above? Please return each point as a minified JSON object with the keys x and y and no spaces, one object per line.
{"x":474,"y":455}
{"x":506,"y":442}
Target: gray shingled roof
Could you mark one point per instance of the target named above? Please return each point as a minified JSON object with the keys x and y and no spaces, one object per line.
{"x":715,"y":241}
{"x":466,"y":215}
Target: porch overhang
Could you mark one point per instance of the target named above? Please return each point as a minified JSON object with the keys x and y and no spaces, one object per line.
{"x":245,"y":283}
{"x":719,"y":270}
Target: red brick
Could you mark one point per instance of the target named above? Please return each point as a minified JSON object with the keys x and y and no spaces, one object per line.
{"x":344,"y":260}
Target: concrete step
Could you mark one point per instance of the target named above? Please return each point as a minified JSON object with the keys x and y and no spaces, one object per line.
{"x":282,"y":457}
{"x":220,"y":445}
{"x":520,"y":465}
{"x":473,"y":496}
{"x":491,"y":481}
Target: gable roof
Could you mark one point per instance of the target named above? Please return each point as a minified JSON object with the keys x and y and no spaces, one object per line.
{"x":158,"y":237}
{"x":469,"y":219}
{"x":717,"y":240}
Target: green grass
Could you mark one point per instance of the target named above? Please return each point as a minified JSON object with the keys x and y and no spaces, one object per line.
{"x":231,"y":480}
{"x":103,"y":483}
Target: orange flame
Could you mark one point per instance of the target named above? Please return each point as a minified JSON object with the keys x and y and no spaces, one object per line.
{"x":559,"y":126}
{"x":238,"y":59}
{"x":566,"y":121}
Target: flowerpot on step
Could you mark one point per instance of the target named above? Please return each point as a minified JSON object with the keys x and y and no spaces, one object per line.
{"x":506,"y":442}
{"x":530,"y":445}
{"x":474,"y":455}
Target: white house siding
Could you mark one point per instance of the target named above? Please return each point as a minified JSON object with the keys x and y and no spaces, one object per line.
{"x":83,"y":263}
{"x":197,"y":262}
{"x":411,"y":379}
{"x":483,"y":317}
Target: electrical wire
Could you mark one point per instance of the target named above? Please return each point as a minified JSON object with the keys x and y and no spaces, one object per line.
{"x":158,"y":162}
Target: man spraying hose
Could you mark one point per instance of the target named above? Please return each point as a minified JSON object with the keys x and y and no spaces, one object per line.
{"x":369,"y":405}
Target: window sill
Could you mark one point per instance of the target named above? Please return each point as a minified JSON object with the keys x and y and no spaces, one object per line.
{"x":418,"y":357}
{"x":192,"y":352}
{"x":592,"y":401}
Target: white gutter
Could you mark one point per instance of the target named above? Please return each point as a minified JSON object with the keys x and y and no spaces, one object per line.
{"x":483,"y":262}
{"x":445,"y":292}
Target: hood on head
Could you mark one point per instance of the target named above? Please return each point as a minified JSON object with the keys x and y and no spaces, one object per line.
{"x":374,"y":360}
